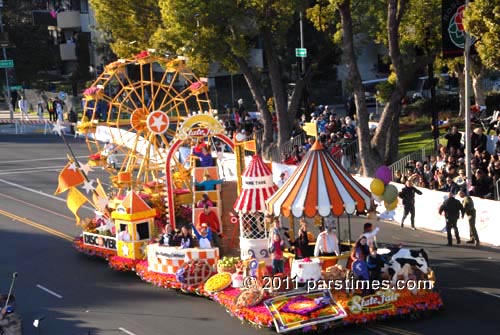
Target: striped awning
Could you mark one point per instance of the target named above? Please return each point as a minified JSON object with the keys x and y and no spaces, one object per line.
{"x":319,"y":186}
{"x":257,"y":187}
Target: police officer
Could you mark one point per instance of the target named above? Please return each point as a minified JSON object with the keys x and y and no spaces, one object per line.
{"x":452,"y":209}
{"x":408,"y":196}
{"x":471,"y":214}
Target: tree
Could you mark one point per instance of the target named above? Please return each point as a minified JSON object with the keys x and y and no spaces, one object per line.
{"x":392,"y":23}
{"x":32,"y":50}
{"x":131,"y":23}
{"x":222,"y":31}
{"x":482,"y":20}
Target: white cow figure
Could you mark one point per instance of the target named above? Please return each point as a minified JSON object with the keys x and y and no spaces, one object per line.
{"x":398,"y":258}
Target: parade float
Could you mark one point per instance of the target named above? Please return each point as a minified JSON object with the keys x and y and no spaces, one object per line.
{"x":155,"y":113}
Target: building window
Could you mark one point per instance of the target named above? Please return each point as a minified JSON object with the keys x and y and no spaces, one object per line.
{"x":84,"y":6}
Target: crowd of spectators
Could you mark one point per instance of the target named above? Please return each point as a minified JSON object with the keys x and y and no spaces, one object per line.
{"x":334,"y":133}
{"x":445,"y":171}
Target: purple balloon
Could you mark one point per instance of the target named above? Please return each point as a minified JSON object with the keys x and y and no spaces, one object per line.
{"x":384,"y":173}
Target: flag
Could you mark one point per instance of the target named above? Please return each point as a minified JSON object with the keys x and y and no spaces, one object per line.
{"x":70,"y":176}
{"x":74,"y":201}
{"x":99,"y":192}
{"x":250,"y":146}
{"x":311,"y":129}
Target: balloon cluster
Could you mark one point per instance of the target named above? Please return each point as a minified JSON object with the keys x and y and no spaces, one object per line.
{"x":382,"y":190}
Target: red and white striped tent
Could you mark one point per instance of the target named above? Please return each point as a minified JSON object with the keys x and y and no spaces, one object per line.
{"x":257,"y":187}
{"x":319,"y":186}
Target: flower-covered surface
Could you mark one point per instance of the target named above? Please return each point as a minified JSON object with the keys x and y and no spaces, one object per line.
{"x":92,"y":251}
{"x":123,"y":264}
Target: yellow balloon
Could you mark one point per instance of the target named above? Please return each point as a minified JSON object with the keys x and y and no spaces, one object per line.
{"x":377,"y":187}
{"x":392,"y":205}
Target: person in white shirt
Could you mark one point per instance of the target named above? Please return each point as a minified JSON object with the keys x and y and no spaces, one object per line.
{"x":282,"y":180}
{"x":124,"y":236}
{"x":23,"y":107}
{"x":370,"y":233}
{"x":327,"y":243}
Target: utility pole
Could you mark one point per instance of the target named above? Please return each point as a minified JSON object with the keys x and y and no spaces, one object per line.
{"x":468,"y":148}
{"x":4,"y":51}
{"x":303,"y":63}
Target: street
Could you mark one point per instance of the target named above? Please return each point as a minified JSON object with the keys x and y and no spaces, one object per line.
{"x":78,"y":295}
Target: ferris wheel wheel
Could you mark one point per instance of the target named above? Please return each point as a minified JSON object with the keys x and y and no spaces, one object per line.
{"x":136,"y":106}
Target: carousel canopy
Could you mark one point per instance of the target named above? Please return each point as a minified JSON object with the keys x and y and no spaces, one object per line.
{"x":319,"y":186}
{"x":257,"y":187}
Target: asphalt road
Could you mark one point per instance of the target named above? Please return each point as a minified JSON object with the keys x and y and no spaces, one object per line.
{"x":88,"y":298}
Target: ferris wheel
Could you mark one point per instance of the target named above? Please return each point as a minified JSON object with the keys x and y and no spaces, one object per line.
{"x":137,"y":105}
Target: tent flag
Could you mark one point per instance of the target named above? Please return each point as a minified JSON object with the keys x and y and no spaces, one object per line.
{"x":74,"y":201}
{"x":69,"y":177}
{"x":311,"y":129}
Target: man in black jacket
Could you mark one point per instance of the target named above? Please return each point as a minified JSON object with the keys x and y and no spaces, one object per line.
{"x":452,"y":209}
{"x":454,"y":138}
{"x":408,"y":196}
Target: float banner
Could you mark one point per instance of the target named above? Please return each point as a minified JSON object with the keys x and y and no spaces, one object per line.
{"x":100,"y":241}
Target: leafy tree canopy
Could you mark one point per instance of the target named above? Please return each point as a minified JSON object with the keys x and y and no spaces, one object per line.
{"x":482,"y":20}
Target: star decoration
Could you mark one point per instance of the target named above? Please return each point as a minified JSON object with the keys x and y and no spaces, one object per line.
{"x":58,"y":128}
{"x":102,"y":203}
{"x":125,"y":250}
{"x":88,"y":186}
{"x":86,"y":168}
{"x":105,"y":227}
{"x":158,"y":123}
{"x":72,"y":166}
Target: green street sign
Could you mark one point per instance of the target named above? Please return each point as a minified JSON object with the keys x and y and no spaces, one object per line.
{"x":16,"y":87}
{"x":301,"y":52}
{"x":6,"y":63}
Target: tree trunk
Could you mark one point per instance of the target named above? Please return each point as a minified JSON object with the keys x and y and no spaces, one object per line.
{"x":300,"y":84}
{"x":368,"y":156}
{"x":258,"y":96}
{"x":279,"y":93}
{"x":386,"y":135}
{"x":477,"y":73}
{"x":459,"y":72}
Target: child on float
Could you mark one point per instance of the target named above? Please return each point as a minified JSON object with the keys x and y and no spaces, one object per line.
{"x":360,"y":250}
{"x":276,"y":250}
{"x":375,"y":263}
{"x":167,"y":238}
{"x":184,"y":239}
{"x":204,"y":236}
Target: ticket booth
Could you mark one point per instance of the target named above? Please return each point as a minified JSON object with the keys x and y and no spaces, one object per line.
{"x":134,"y":222}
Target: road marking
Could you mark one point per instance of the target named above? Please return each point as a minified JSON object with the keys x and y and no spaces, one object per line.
{"x":49,"y":291}
{"x":38,"y":207}
{"x":10,"y":173}
{"x":34,"y":168}
{"x":37,"y":225}
{"x":39,"y":159}
{"x":126,"y":331}
{"x":39,"y":192}
{"x":397,"y":330}
{"x":492,"y":294}
{"x":373,"y":330}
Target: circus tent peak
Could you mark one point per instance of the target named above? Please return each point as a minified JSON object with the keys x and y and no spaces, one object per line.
{"x":257,"y":187}
{"x":319,"y":186}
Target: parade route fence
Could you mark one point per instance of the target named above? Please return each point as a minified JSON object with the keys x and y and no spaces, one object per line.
{"x":46,"y":125}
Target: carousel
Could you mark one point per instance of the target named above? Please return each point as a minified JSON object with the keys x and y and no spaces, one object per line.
{"x":164,"y":217}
